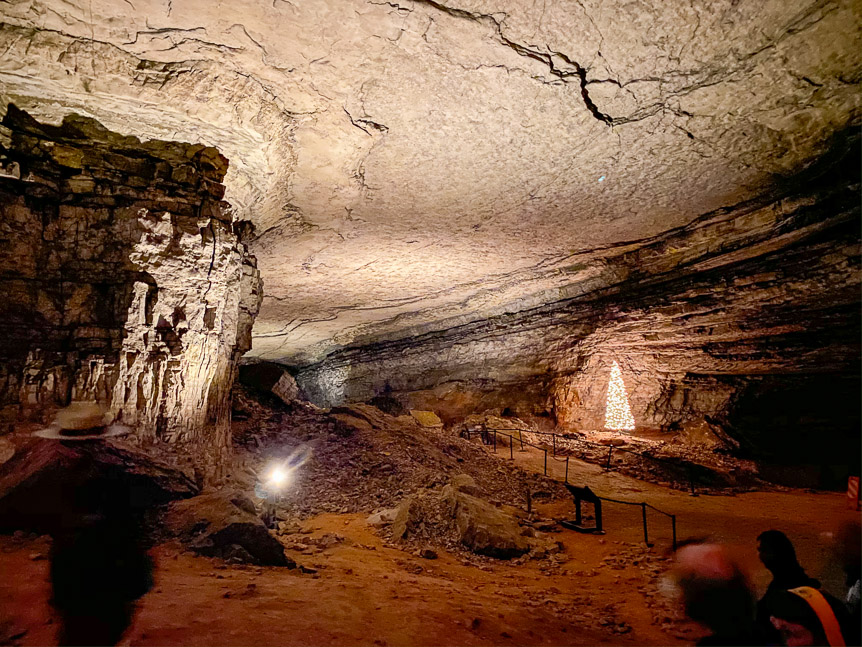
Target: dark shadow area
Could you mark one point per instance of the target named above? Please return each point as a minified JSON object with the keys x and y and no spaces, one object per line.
{"x":807,"y":425}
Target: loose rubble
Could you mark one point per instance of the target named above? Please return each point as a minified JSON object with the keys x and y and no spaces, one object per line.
{"x":364,"y":460}
{"x":422,"y":487}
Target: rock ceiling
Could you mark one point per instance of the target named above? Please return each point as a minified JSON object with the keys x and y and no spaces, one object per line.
{"x":415,"y":162}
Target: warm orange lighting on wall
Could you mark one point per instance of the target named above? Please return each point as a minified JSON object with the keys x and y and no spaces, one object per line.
{"x":618,"y":413}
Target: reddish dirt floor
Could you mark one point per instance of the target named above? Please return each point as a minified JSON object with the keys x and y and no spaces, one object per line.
{"x":607,"y":591}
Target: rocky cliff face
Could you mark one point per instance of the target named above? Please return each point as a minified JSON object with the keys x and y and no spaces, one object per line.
{"x":748,"y":318}
{"x":124,"y":277}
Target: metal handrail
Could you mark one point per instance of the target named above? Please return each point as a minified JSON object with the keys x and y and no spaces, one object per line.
{"x":643,"y":504}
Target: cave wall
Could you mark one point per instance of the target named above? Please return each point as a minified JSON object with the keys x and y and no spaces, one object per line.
{"x":715,"y":323}
{"x":124,"y":277}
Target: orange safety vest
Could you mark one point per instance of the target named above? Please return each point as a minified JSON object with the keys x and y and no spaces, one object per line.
{"x":824,"y":612}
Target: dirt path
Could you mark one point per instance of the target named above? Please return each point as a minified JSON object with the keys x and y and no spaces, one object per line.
{"x":364,"y":593}
{"x":810,"y":518}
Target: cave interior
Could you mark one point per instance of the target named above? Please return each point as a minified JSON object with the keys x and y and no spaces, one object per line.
{"x":318,"y":261}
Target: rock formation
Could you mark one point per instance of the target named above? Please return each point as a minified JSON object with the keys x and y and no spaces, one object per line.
{"x":225,"y":525}
{"x":125,"y":278}
{"x":482,"y":527}
{"x":37,"y":486}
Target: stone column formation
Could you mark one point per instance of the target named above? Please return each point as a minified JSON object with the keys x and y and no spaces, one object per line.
{"x":124,"y":276}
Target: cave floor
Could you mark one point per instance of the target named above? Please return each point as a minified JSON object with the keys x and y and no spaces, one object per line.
{"x":367,"y":592}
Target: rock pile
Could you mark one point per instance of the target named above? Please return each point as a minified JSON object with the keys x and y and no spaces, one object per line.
{"x":458,"y":518}
{"x":481,"y":527}
{"x":364,"y":460}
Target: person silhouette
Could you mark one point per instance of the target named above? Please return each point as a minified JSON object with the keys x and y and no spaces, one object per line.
{"x":777,"y":554}
{"x":99,"y":564}
{"x":806,"y":616}
{"x":715,"y":592}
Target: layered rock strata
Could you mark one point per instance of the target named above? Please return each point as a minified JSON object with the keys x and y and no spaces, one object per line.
{"x":748,"y":318}
{"x":125,"y":278}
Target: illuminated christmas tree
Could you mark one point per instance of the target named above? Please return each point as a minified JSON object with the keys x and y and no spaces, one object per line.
{"x":618,"y":413}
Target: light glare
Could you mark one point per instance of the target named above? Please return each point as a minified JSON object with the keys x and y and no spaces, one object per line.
{"x":278,"y":477}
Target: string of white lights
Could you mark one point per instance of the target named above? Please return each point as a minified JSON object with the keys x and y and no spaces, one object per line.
{"x":618,"y":413}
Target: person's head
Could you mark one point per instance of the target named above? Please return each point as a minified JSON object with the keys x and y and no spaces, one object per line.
{"x":715,"y":591}
{"x":796,"y":620}
{"x":775,"y":550}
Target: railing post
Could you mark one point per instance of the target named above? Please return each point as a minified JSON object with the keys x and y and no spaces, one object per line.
{"x":546,"y":462}
{"x":597,"y":507}
{"x":495,"y":441}
{"x":610,"y":451}
{"x":567,"y":469}
{"x":512,"y":448}
{"x":643,"y":511}
{"x":673,"y":528}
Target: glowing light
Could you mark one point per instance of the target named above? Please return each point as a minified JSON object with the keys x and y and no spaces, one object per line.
{"x":602,"y":178}
{"x":618,"y":413}
{"x":278,"y":477}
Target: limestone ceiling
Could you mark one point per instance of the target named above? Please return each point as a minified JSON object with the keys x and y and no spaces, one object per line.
{"x":414,"y":161}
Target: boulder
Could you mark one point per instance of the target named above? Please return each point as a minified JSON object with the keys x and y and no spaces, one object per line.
{"x":346,"y":425}
{"x":382,"y":518}
{"x":359,"y":417}
{"x":465,"y":483}
{"x":406,"y":517}
{"x":612,"y":442}
{"x":7,"y":450}
{"x":285,"y":388}
{"x":702,"y":434}
{"x":272,"y":378}
{"x":372,"y":416}
{"x":483,"y":528}
{"x":215,"y":524}
{"x":427,"y":418}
